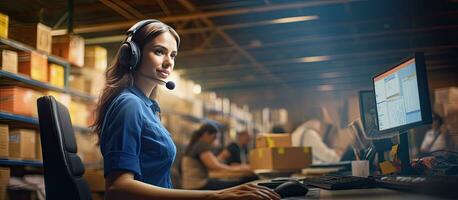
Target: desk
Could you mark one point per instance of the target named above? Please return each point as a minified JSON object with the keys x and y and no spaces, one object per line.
{"x":375,"y":193}
{"x":229,"y":174}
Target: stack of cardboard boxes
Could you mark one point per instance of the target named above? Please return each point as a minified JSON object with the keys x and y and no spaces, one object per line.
{"x":446,"y":105}
{"x":19,"y":100}
{"x":274,"y":152}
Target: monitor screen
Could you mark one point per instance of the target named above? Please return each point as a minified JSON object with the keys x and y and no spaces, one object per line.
{"x":401,"y":96}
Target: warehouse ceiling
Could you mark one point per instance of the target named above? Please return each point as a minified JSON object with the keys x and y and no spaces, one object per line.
{"x":262,"y":48}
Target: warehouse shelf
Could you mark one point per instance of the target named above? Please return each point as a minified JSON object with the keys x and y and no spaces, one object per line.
{"x":191,"y":118}
{"x":218,"y":112}
{"x":33,"y":120}
{"x":23,"y":47}
{"x":12,"y":162}
{"x":26,"y":81}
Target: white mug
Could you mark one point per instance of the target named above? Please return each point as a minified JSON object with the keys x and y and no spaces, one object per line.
{"x":360,"y":168}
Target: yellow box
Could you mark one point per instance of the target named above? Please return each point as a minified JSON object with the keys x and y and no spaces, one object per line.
{"x":9,"y":61}
{"x":56,"y":75}
{"x":4,"y":25}
{"x":78,"y":113}
{"x":273,"y":140}
{"x":281,"y":158}
{"x":39,"y":155}
{"x":34,"y":65}
{"x":22,"y":144}
{"x":95,"y":57}
{"x":36,"y":35}
{"x":4,"y":140}
{"x":4,"y":181}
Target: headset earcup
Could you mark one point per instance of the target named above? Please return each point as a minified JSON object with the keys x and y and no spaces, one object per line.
{"x":135,"y":55}
{"x":125,"y":56}
{"x":129,"y":55}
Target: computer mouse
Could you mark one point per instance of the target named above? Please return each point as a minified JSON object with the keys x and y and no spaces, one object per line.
{"x":291,"y":188}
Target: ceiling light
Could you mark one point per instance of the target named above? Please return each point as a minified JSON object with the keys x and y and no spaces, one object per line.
{"x":325,"y":88}
{"x":330,"y":75}
{"x":293,"y":19}
{"x":314,"y":59}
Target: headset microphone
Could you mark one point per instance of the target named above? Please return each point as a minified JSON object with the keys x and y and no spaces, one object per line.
{"x":169,"y":84}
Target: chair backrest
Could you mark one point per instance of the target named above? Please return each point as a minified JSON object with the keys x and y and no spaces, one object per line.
{"x":63,"y":169}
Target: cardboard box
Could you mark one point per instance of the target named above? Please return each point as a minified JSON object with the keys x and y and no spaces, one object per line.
{"x":4,"y":25}
{"x":9,"y":61}
{"x":39,"y":155}
{"x":19,"y":100}
{"x":446,"y":109}
{"x":4,"y":140}
{"x":34,"y":65}
{"x":77,"y":82}
{"x":56,"y":74}
{"x":281,"y":158}
{"x":4,"y":181}
{"x":70,"y":47}
{"x":22,"y":144}
{"x":95,"y":180}
{"x":273,"y":140}
{"x":60,"y":97}
{"x":446,"y":95}
{"x":78,"y":113}
{"x":35,"y":35}
{"x":95,"y":57}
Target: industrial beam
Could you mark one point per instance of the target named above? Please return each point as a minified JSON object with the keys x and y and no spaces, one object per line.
{"x":118,"y":9}
{"x":200,"y":15}
{"x":164,"y":7}
{"x":188,"y":5}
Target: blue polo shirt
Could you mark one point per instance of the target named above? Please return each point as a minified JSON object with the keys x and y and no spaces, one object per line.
{"x":134,"y":139}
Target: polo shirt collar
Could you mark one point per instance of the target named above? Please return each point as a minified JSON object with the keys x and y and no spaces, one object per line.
{"x":137,"y":92}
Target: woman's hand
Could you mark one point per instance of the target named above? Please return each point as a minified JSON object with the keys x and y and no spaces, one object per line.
{"x":246,"y":192}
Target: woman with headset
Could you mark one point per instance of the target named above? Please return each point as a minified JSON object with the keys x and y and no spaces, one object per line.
{"x":138,"y":151}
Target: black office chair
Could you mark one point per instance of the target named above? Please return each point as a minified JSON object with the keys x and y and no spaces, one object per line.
{"x":63,"y":169}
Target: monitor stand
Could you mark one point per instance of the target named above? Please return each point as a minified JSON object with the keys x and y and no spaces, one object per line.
{"x":406,"y":168}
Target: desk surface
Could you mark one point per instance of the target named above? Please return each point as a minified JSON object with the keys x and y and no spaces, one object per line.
{"x":376,"y":193}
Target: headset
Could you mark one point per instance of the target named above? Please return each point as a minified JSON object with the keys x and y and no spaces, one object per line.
{"x":130,"y":52}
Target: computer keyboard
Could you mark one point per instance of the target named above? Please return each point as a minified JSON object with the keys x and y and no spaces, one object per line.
{"x":336,"y":182}
{"x":445,"y":186}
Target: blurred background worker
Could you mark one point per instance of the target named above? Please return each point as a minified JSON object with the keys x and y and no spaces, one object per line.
{"x":437,"y":138}
{"x":236,"y":152}
{"x":310,"y":134}
{"x":199,"y":159}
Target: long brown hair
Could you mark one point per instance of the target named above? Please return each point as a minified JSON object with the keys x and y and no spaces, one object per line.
{"x":196,"y":135}
{"x":119,"y":77}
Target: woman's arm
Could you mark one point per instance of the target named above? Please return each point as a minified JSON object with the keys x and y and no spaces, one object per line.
{"x":224,"y":155}
{"x":212,"y":163}
{"x":122,"y":185}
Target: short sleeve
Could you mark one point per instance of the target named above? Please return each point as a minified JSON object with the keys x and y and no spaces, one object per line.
{"x":233,"y":149}
{"x":121,"y":138}
{"x":199,"y":148}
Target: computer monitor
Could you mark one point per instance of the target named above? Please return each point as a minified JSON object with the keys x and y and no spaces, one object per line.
{"x":368,"y":113}
{"x":402,"y":96}
{"x":402,"y":99}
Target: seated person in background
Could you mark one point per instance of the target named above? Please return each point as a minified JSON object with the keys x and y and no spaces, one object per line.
{"x":236,"y":153}
{"x":309,"y":134}
{"x":198,"y":160}
{"x":278,"y":129}
{"x":437,"y":138}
